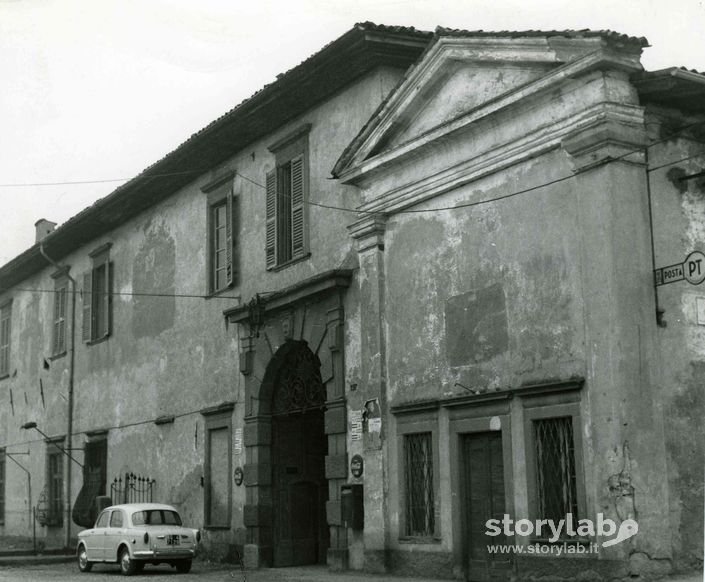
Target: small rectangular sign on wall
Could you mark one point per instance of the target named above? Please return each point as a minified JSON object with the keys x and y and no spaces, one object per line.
{"x":700,"y":310}
{"x":237,"y":445}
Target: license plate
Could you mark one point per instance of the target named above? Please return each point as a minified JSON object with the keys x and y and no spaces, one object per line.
{"x":172,"y":540}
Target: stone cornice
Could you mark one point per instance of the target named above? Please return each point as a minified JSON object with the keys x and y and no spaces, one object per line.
{"x":360,"y":165}
{"x":542,"y":140}
{"x":320,"y":284}
{"x":482,"y":398}
{"x":369,"y":231}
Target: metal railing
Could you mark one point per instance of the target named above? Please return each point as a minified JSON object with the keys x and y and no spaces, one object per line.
{"x":132,"y":489}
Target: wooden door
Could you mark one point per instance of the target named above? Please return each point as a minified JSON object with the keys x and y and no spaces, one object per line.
{"x":484,"y":499}
{"x":300,"y":492}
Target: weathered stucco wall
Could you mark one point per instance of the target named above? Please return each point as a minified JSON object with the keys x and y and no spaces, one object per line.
{"x":679,"y":229}
{"x":489,"y":291}
{"x":166,"y":354}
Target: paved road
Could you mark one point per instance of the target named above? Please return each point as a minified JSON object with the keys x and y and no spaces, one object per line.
{"x":212,"y":573}
{"x":200,"y":572}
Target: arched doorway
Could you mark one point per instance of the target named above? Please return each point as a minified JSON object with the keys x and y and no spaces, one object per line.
{"x":299,"y":448}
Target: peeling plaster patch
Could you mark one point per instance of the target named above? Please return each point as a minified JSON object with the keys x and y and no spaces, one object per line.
{"x":125,"y":293}
{"x":476,"y":326}
{"x":674,"y":176}
{"x":544,"y":290}
{"x":153,"y":272}
{"x":686,"y":450}
{"x":622,"y":490}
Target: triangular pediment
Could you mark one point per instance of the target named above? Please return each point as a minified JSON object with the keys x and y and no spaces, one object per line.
{"x":456,"y":76}
{"x":458,"y":89}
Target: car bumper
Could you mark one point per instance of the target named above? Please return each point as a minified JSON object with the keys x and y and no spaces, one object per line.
{"x":180,"y":554}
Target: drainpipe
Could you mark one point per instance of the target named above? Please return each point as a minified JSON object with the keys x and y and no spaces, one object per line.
{"x":69,"y":423}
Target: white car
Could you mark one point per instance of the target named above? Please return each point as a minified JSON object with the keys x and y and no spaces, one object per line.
{"x":136,"y":534}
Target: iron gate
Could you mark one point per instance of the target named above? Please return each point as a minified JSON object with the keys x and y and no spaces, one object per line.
{"x":132,"y":489}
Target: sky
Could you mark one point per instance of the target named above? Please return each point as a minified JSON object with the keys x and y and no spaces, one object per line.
{"x":96,"y":91}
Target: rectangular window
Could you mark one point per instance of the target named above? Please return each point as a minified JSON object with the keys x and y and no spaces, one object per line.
{"x":222,"y":228}
{"x":97,"y":296}
{"x":60,"y":301}
{"x":2,"y":486}
{"x":556,"y":482}
{"x":287,"y":193}
{"x":5,"y":332}
{"x":55,"y":484}
{"x":419,"y":484}
{"x":218,"y":471}
{"x":219,"y":250}
{"x":554,"y":459}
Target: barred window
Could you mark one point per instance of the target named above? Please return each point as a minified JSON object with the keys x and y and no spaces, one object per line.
{"x":555,"y":469}
{"x":418,"y":462}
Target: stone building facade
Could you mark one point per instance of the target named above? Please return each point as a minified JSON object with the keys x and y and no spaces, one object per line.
{"x":361,"y":371}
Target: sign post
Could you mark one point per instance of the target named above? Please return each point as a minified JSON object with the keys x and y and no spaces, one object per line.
{"x":691,"y":270}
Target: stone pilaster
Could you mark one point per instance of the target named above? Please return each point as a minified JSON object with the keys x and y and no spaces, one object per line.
{"x":369,"y":235}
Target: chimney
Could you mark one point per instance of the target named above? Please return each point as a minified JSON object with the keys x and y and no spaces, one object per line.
{"x":43,"y":228}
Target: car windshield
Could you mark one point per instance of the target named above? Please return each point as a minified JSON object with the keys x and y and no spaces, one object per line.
{"x":156,"y":517}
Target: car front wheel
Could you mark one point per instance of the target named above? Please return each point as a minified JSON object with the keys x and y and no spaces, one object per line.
{"x":127,"y":565}
{"x":183,"y":566}
{"x":83,"y":564}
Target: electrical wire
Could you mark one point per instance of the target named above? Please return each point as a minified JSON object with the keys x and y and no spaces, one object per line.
{"x":101,"y":181}
{"x":606,"y":161}
{"x":415,"y":211}
{"x":126,"y":294}
{"x":115,"y":427}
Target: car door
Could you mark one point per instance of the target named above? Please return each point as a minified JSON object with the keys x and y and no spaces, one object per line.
{"x":113,"y":535}
{"x":95,"y":539}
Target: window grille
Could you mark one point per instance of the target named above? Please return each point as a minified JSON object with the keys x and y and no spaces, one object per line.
{"x":418,"y":456}
{"x":555,"y":469}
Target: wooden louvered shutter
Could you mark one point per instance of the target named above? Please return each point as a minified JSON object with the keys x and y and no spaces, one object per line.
{"x":271,"y":220}
{"x":107,"y":299}
{"x":59,"y":320}
{"x":87,"y":330}
{"x":297,"y":207}
{"x":229,"y":264}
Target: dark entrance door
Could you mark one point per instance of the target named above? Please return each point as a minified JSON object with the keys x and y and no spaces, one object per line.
{"x":299,"y":448}
{"x":300,"y":490}
{"x":483,"y":499}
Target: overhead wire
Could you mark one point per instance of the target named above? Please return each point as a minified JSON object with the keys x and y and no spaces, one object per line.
{"x":606,"y":161}
{"x":106,"y":428}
